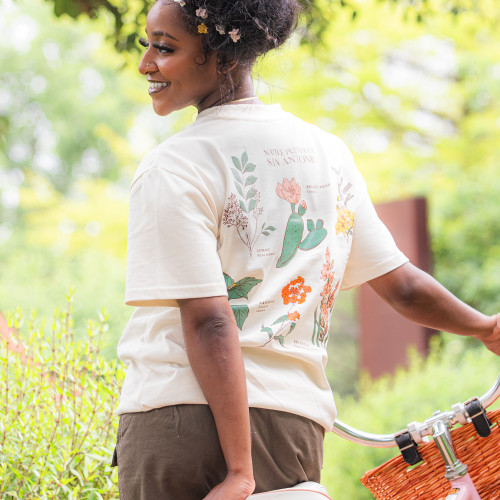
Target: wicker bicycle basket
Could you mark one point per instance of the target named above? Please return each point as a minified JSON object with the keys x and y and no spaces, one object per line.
{"x":396,"y":480}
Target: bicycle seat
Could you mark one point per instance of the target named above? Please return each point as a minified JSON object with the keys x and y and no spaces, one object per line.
{"x":301,"y":491}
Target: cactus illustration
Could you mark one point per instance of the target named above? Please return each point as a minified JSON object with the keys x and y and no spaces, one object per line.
{"x":290,"y":191}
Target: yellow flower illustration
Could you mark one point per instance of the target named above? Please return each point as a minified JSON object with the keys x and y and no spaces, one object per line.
{"x":345,"y":222}
{"x":202,"y":28}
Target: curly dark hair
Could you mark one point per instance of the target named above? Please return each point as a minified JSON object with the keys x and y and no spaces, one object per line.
{"x":261,"y":25}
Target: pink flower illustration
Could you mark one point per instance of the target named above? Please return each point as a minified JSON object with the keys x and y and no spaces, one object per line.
{"x":289,"y":191}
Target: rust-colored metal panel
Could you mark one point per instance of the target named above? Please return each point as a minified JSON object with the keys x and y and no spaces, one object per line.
{"x":385,"y":336}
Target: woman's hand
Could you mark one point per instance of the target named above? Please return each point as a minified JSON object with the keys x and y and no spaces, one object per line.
{"x":234,"y":487}
{"x":491,"y":339}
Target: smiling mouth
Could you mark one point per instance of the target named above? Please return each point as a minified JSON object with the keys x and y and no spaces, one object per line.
{"x":155,"y":87}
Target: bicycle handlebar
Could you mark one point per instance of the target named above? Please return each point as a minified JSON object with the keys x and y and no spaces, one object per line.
{"x":457,"y":415}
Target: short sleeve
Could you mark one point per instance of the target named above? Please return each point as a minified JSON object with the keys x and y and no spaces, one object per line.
{"x":172,"y":242}
{"x":374,"y":251}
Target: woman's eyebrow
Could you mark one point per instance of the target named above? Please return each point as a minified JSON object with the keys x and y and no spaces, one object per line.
{"x":165,"y":34}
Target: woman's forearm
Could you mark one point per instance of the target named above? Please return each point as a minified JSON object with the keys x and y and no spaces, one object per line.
{"x":214,"y":352}
{"x":420,"y":298}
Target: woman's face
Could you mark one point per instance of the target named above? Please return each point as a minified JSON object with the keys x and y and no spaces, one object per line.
{"x":175,"y":65}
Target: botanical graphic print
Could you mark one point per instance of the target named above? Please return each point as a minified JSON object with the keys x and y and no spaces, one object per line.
{"x":244,"y":213}
{"x":238,"y":290}
{"x":290,"y":191}
{"x":294,"y":293}
{"x":322,"y":313}
{"x":345,"y":221}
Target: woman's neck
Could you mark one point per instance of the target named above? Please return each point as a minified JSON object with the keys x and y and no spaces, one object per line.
{"x":243,"y":92}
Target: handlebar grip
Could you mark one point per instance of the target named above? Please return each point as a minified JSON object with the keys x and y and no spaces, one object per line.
{"x":408,"y":448}
{"x":477,"y":414}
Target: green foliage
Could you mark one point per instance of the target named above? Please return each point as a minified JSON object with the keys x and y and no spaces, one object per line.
{"x":451,"y":374}
{"x":65,"y":108}
{"x":37,"y":279}
{"x":58,"y":404}
{"x":128,"y":16}
{"x":69,"y":242}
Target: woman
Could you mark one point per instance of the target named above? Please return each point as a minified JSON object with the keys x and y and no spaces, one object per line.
{"x":243,"y":228}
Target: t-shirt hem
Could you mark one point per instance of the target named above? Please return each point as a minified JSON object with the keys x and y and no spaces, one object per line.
{"x":141,"y":295}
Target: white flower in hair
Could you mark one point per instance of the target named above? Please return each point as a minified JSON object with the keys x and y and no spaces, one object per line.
{"x":235,"y":35}
{"x":201,"y":12}
{"x":220,"y":29}
{"x":182,"y":3}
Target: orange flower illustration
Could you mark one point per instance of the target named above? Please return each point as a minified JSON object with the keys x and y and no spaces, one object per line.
{"x":295,"y":291}
{"x":289,"y":191}
{"x":293,"y":316}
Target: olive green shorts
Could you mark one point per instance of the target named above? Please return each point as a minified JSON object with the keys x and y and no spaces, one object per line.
{"x":173,"y":453}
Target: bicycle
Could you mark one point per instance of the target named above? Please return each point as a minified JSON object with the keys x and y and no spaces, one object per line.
{"x":400,"y":478}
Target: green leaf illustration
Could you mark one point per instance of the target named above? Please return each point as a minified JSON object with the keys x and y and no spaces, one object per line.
{"x":237,"y":163}
{"x":250,"y":167}
{"x":251,"y":205}
{"x":237,"y":176}
{"x":244,"y":158}
{"x":270,"y":228}
{"x":280,"y":339}
{"x":242,"y":288}
{"x":240,"y":190}
{"x":251,"y":180}
{"x":265,"y":233}
{"x":229,"y":281}
{"x":268,"y":331}
{"x":292,"y":327}
{"x":281,"y":319}
{"x":240,"y":315}
{"x":251,"y":193}
{"x":243,"y":207}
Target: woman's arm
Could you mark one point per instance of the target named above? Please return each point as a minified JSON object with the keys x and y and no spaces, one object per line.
{"x":214,"y":351}
{"x":420,"y":298}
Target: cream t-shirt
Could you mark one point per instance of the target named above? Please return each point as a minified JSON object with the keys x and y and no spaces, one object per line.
{"x":250,"y":202}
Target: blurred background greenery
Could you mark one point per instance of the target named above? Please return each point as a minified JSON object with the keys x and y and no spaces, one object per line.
{"x":413,"y":87}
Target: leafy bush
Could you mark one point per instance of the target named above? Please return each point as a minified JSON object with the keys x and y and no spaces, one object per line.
{"x":58,"y":403}
{"x":453,"y":372}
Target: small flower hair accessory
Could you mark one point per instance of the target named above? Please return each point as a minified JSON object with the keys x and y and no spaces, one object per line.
{"x":220,"y":29}
{"x":202,"y":28}
{"x":235,"y":35}
{"x":182,"y":3}
{"x":201,"y":12}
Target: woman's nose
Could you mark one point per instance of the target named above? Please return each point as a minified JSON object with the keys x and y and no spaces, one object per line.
{"x":146,"y":65}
